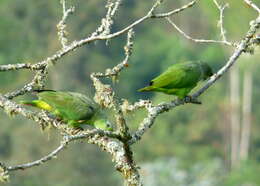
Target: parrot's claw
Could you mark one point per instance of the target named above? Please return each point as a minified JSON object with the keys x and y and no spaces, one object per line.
{"x":189,"y":99}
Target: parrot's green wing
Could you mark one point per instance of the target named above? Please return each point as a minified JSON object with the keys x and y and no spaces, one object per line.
{"x":183,"y":75}
{"x":179,"y":79}
{"x":70,"y":105}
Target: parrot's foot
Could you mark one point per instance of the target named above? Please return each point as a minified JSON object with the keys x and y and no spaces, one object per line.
{"x":190,"y":99}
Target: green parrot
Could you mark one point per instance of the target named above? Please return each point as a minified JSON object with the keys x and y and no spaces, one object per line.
{"x":73,"y":108}
{"x":179,"y":79}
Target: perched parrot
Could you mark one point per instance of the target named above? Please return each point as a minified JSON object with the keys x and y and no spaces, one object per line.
{"x":179,"y":79}
{"x":73,"y":108}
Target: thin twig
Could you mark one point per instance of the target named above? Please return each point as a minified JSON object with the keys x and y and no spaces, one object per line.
{"x":222,"y":31}
{"x":196,"y":40}
{"x":16,"y":67}
{"x":252,"y":5}
{"x":38,"y":83}
{"x":44,"y":159}
{"x":118,"y":68}
{"x":107,"y":22}
{"x":221,"y":17}
{"x":61,"y":26}
{"x":63,"y":144}
{"x":176,"y":11}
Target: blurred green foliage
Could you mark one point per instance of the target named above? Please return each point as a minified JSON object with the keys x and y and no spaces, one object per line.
{"x":192,"y":135}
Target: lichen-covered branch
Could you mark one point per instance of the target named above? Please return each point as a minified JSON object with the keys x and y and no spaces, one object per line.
{"x":252,"y":5}
{"x":61,"y":26}
{"x":64,"y":143}
{"x":107,"y":22}
{"x":176,"y":11}
{"x":242,"y":47}
{"x":104,"y":94}
{"x":122,"y":156}
{"x":118,"y":68}
{"x":37,"y":83}
{"x":16,"y":66}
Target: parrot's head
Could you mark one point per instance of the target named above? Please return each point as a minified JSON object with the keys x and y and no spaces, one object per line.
{"x":207,"y":71}
{"x":103,"y":124}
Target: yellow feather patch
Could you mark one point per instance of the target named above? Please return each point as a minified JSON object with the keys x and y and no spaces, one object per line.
{"x":43,"y":105}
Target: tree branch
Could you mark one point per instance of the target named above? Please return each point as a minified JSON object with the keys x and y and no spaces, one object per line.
{"x":220,"y":24}
{"x":252,"y":5}
{"x":41,"y":161}
{"x":221,"y":17}
{"x":61,"y":26}
{"x":197,"y":40}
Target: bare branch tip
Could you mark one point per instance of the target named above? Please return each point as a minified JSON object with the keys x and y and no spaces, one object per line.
{"x":252,"y":5}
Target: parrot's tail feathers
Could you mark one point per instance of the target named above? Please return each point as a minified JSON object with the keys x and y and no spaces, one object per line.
{"x":149,"y":88}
